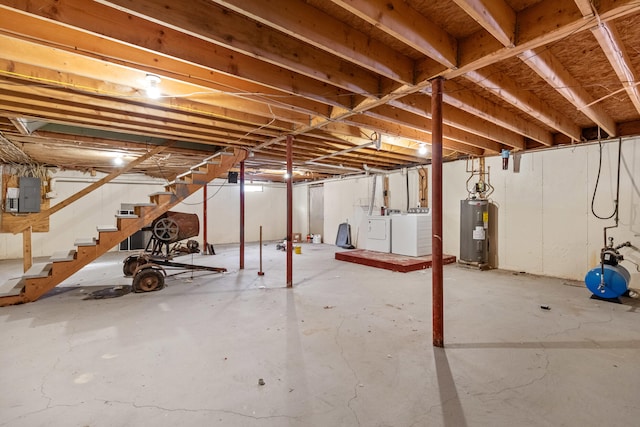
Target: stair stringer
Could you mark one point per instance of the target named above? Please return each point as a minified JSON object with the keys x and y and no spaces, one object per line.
{"x":34,"y":288}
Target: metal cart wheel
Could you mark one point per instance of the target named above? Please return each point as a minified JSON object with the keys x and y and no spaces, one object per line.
{"x":193,"y":246}
{"x":148,"y":279}
{"x":165,"y":229}
{"x":130,"y":264}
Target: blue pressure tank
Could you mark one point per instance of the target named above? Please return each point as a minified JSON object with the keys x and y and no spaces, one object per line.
{"x":616,"y":281}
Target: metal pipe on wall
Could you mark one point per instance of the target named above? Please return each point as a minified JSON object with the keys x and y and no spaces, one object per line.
{"x":436,"y":215}
{"x":242,"y":215}
{"x":290,"y":211}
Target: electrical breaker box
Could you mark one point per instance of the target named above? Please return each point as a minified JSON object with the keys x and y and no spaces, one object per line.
{"x":29,"y":196}
{"x":11,"y":204}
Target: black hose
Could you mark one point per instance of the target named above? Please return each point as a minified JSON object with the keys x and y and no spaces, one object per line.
{"x":595,"y":190}
{"x":407,"y":179}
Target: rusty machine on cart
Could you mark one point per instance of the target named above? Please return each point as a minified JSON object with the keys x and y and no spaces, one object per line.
{"x":167,"y":233}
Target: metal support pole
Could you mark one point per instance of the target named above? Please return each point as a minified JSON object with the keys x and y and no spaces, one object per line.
{"x":242,"y":215}
{"x":260,"y":272}
{"x":205,"y":220}
{"x":436,"y":216}
{"x":289,"y":211}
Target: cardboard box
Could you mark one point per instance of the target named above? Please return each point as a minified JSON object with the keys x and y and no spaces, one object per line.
{"x":297,"y":237}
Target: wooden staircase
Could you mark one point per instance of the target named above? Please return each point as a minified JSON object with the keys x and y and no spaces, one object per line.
{"x":41,"y":278}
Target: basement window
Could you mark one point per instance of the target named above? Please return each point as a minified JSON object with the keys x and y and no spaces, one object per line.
{"x":253,"y":188}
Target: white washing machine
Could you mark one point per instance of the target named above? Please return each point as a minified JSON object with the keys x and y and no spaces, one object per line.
{"x":411,"y":234}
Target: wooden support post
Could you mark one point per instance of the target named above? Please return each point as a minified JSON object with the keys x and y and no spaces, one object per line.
{"x":242,"y":215}
{"x":385,"y":190}
{"x":290,"y":211}
{"x":423,"y":188}
{"x":27,"y":255}
{"x":436,"y":215}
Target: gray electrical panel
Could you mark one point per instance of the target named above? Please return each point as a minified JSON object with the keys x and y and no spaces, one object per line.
{"x":474,"y":233}
{"x":29,"y":196}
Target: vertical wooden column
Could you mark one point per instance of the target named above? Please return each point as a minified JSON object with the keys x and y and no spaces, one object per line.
{"x":290,"y":211}
{"x":205,"y":220}
{"x":436,"y":209}
{"x":385,"y":190}
{"x":242,"y":215}
{"x":27,"y":255}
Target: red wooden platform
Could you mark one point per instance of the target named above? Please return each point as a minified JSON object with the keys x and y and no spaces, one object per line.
{"x":391,"y":262}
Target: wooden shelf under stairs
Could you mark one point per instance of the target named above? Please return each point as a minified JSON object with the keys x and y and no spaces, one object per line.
{"x":43,"y":277}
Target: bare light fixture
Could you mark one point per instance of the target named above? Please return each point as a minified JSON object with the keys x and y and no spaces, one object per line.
{"x":423,"y":149}
{"x":118,"y":161}
{"x":153,"y":89}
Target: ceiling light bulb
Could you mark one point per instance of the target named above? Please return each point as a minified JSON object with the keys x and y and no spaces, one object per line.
{"x":422,"y":150}
{"x":153,"y":90}
{"x":286,"y":176}
{"x":118,"y":160}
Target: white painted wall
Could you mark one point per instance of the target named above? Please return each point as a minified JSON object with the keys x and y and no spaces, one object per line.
{"x":300,"y":209}
{"x":347,"y":200}
{"x":545,"y":224}
{"x":79,"y":220}
{"x":266,"y":208}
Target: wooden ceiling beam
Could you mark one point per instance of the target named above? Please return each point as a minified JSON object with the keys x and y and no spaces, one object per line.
{"x":12,"y":108}
{"x":402,"y":145}
{"x":397,"y":149}
{"x":456,"y":118}
{"x":585,"y":7}
{"x":421,"y":123}
{"x":495,"y":16}
{"x":214,"y":24}
{"x":319,"y":29}
{"x":496,"y":82}
{"x":462,"y":98}
{"x":107,"y":110}
{"x":547,"y":66}
{"x":162,"y":51}
{"x":365,"y":155}
{"x":215,"y":105}
{"x":397,"y":18}
{"x":609,"y":40}
{"x":394,"y":129}
{"x":542,"y":23}
{"x":480,"y":52}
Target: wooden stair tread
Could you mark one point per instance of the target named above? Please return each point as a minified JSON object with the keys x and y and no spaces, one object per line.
{"x":205,"y":163}
{"x":187,"y":173}
{"x":218,"y":154}
{"x":38,"y":270}
{"x":127,"y":224}
{"x":176,"y":181}
{"x":62,"y":256}
{"x":85,"y":242}
{"x":11,"y":287}
{"x":106,"y":228}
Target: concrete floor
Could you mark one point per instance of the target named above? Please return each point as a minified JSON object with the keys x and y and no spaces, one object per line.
{"x":348,"y":346}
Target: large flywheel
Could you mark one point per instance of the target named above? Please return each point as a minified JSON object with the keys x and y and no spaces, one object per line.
{"x":166,"y":229}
